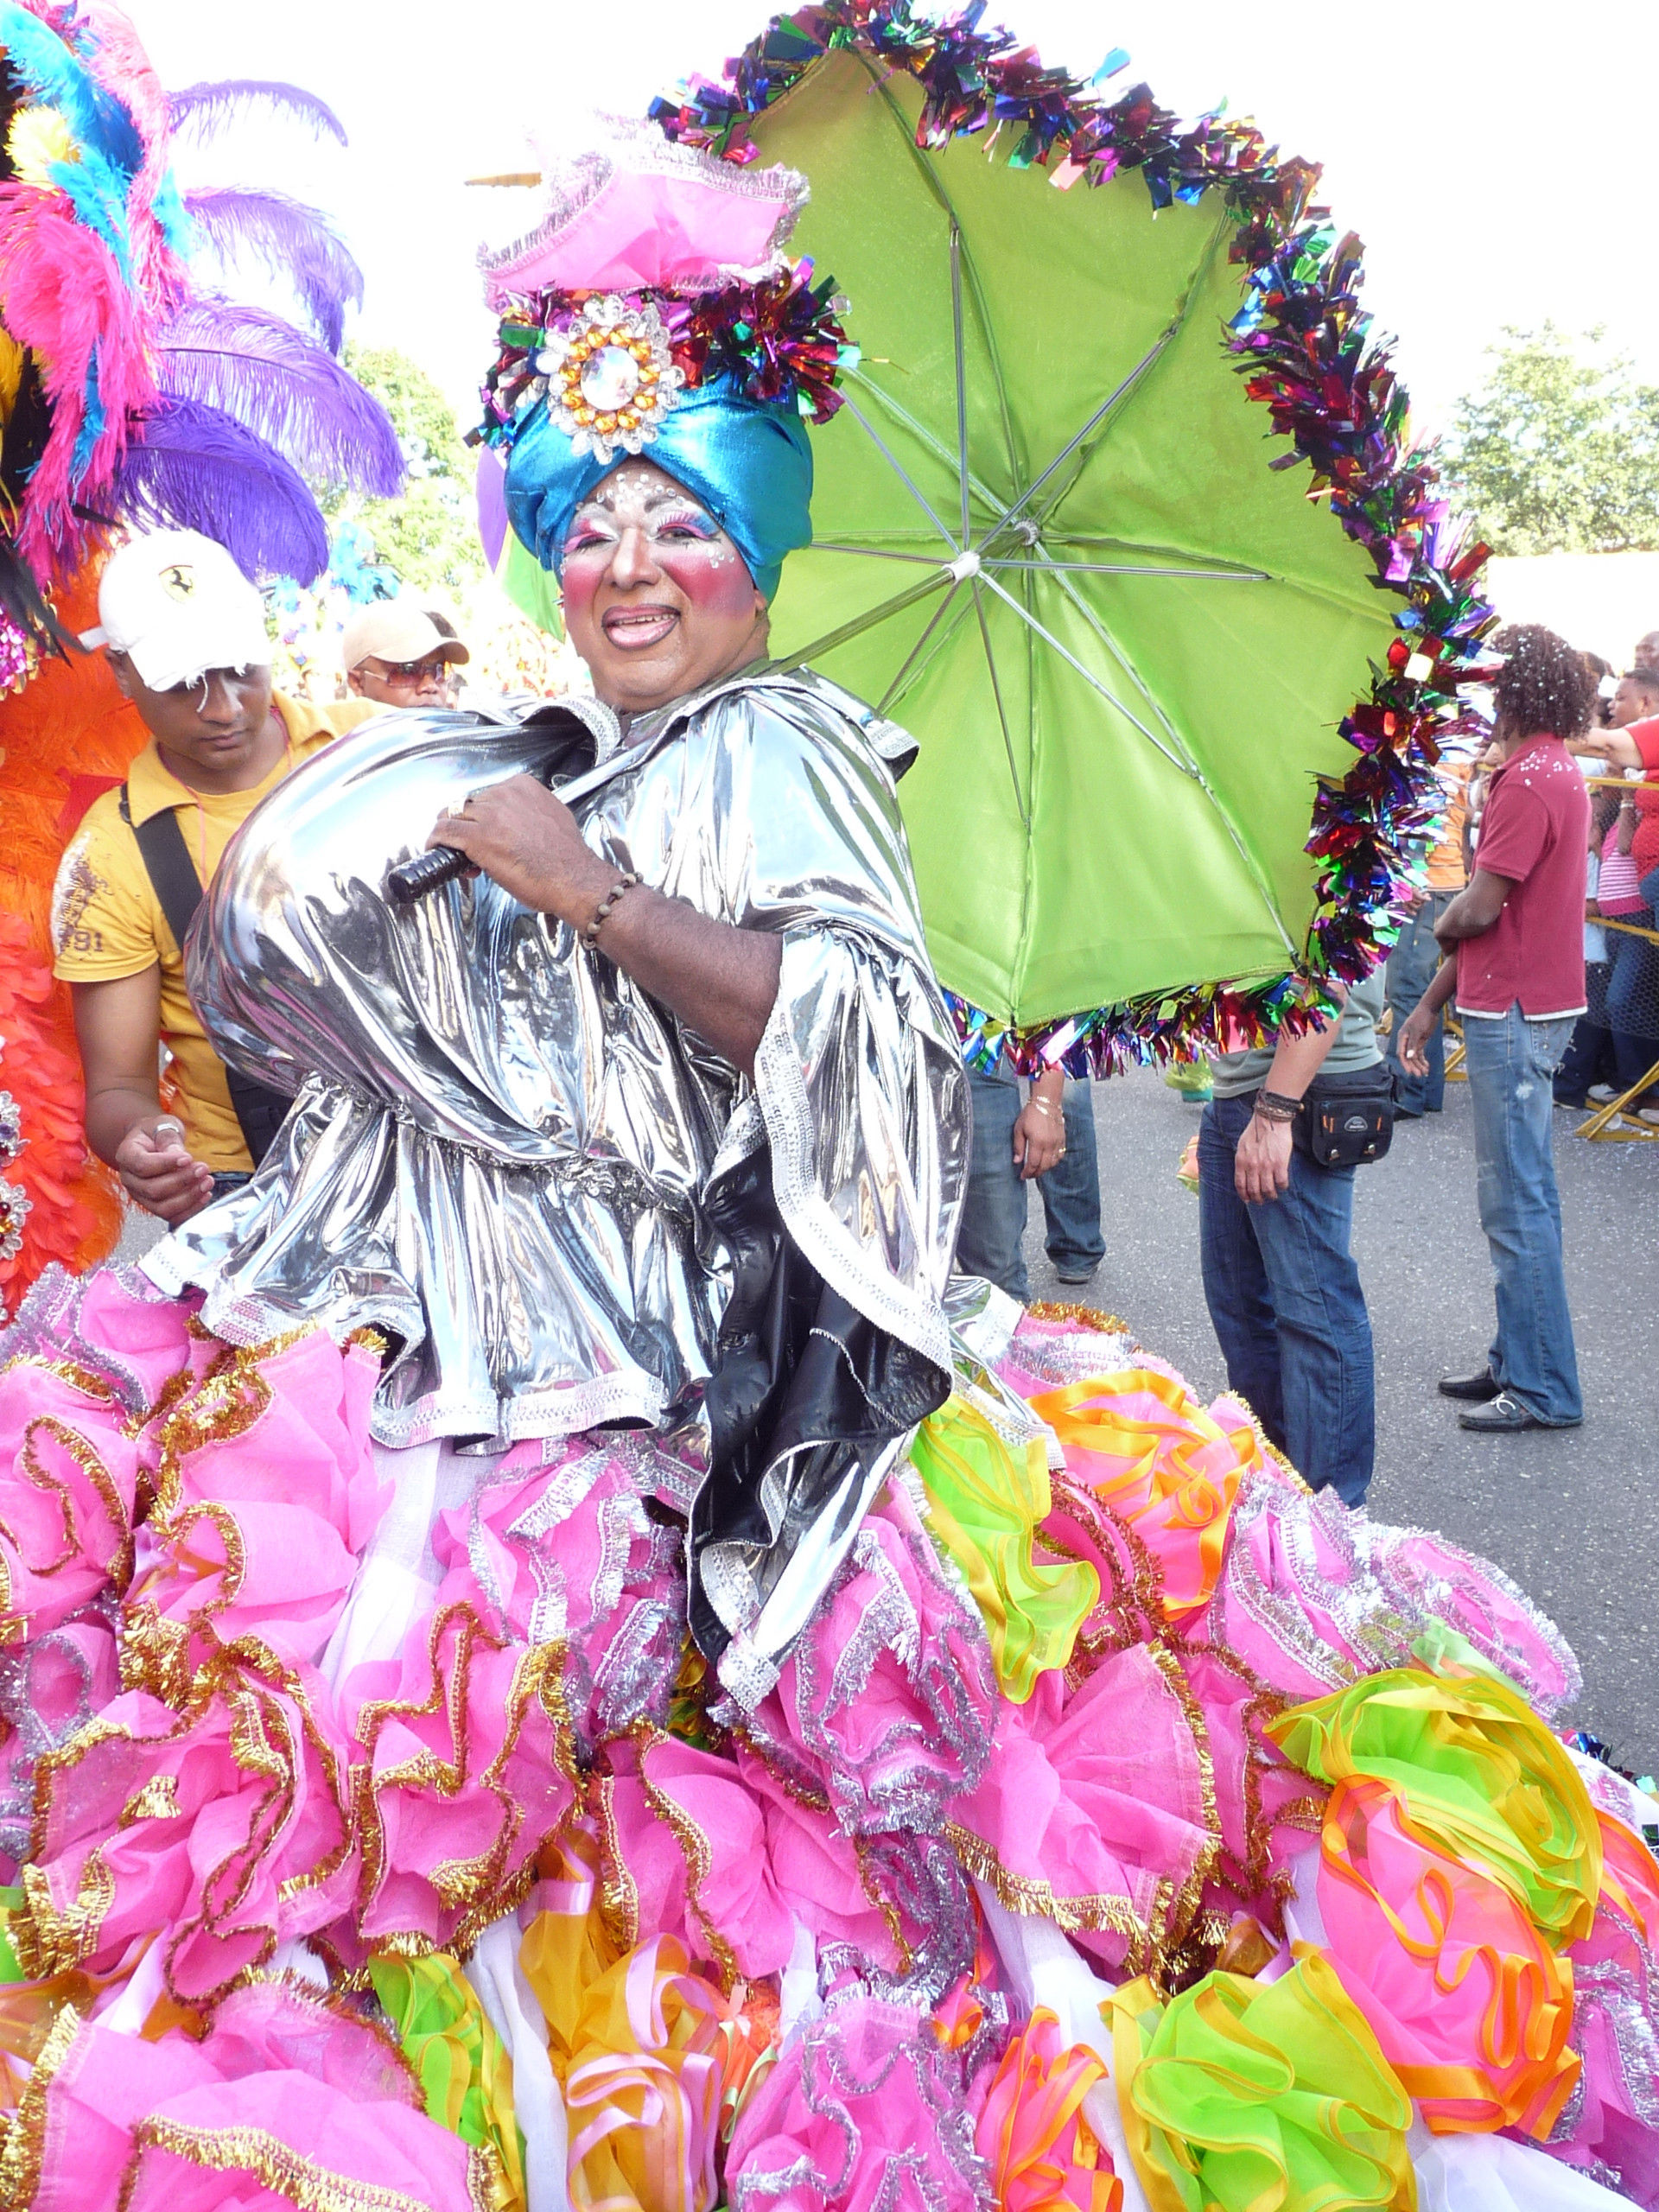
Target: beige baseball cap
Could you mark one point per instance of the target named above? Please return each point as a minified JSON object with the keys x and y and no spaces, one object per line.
{"x":395,"y":630}
{"x":177,"y":604}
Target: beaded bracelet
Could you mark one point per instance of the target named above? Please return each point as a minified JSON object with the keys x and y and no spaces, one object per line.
{"x":1273,"y":1106}
{"x":626,"y":881}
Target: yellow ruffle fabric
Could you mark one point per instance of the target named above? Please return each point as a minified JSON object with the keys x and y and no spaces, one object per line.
{"x":1477,"y":1774}
{"x":653,"y":2062}
{"x":1255,"y":2096}
{"x":985,"y":1500}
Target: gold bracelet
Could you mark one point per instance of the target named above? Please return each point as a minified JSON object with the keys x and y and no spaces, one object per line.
{"x":626,"y":881}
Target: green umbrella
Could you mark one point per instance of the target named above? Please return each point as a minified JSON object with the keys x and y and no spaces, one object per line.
{"x":1050,"y":540}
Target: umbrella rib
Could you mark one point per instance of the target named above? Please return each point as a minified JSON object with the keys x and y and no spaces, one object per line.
{"x":1104,"y":567}
{"x":907,"y":131}
{"x":1088,"y":676}
{"x":1075,"y":600}
{"x":912,"y":659}
{"x":962,"y":387}
{"x":898,"y":468}
{"x":871,"y":616}
{"x":920,"y":432}
{"x":1097,"y":417}
{"x":1019,"y":799}
{"x":881,"y":553}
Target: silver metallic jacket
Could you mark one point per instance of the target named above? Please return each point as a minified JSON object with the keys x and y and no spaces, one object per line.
{"x":499,"y":1143}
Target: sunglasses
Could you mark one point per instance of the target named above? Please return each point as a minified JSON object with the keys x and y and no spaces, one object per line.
{"x":411,"y":671}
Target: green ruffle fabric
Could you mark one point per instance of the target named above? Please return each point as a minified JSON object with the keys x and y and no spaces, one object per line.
{"x":11,"y":1900}
{"x":1477,"y":1774}
{"x":985,"y":1500}
{"x":1253,"y":2096}
{"x":463,"y":2067}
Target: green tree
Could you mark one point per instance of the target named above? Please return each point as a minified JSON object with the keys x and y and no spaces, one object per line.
{"x":1558,"y":452}
{"x":427,"y":534}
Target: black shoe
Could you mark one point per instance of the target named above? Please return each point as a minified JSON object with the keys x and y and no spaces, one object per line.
{"x":1479,"y":1386}
{"x":1504,"y":1416}
{"x":1073,"y":1280}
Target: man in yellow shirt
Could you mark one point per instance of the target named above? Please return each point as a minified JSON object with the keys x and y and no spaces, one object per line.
{"x":185,"y":633}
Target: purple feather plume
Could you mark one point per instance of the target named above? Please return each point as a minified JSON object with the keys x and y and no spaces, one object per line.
{"x":282,"y":387}
{"x":208,"y":108}
{"x":197,"y":468}
{"x":290,"y":239}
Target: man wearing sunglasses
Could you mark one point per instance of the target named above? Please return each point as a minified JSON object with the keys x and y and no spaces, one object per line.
{"x":396,"y":655}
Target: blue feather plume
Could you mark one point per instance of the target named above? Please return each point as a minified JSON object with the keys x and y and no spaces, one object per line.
{"x":56,"y":77}
{"x":284,"y":388}
{"x":98,"y":192}
{"x":195,"y":467}
{"x":208,"y":108}
{"x":290,"y":239}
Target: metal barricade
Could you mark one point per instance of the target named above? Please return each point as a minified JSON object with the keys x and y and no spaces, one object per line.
{"x":1622,"y":996}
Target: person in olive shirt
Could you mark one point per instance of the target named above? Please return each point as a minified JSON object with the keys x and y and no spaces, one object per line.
{"x":185,"y":633}
{"x":1279,"y":1278}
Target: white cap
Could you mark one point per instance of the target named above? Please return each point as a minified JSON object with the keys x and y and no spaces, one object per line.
{"x":177,"y":604}
{"x":395,"y":630}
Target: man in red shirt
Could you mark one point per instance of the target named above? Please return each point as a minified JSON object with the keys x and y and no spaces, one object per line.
{"x":1518,"y":932}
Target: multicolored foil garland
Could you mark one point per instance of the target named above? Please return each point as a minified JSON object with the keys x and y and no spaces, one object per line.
{"x":1307,"y":352}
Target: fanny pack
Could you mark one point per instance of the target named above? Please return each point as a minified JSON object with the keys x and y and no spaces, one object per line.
{"x":1346,"y":1120}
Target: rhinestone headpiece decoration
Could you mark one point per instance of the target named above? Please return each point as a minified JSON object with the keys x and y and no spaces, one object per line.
{"x":610,"y":376}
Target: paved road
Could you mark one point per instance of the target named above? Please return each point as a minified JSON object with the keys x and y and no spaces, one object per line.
{"x":1574,"y":1516}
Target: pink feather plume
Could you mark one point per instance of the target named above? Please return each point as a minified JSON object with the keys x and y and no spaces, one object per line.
{"x":62,"y":297}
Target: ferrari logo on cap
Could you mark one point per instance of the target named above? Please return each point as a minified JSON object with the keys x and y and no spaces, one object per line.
{"x":179,"y":582}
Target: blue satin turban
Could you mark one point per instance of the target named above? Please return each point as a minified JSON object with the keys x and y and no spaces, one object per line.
{"x":750,"y":465}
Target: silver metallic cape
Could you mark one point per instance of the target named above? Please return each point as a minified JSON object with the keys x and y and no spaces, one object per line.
{"x":500,"y":1144}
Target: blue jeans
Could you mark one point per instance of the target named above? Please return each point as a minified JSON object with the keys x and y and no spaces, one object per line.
{"x":1409,"y":973}
{"x":993,"y":1219}
{"x":1286,"y":1306}
{"x":1633,"y":1000}
{"x":1510,"y":1063}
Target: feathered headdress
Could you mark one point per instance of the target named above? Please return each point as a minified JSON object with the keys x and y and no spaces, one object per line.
{"x":131,"y":388}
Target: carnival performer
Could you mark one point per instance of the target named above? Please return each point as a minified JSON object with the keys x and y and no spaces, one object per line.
{"x":560,"y":1659}
{"x":185,"y":633}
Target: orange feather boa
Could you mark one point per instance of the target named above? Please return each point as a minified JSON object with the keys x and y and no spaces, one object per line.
{"x":67,"y":736}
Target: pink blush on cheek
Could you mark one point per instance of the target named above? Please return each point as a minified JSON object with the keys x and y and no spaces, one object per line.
{"x":711,"y":575}
{"x":580,"y":585}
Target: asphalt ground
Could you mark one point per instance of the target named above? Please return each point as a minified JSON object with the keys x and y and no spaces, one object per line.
{"x":1572,"y":1514}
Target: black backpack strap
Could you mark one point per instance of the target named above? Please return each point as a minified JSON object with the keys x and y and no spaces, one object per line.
{"x":259,"y":1113}
{"x":172,"y":872}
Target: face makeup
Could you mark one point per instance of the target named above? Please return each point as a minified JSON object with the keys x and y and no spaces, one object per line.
{"x":657,"y":598}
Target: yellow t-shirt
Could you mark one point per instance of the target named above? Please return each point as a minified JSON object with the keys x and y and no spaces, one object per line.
{"x":107,"y":921}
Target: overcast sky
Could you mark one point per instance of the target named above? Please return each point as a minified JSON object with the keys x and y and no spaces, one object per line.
{"x":1497,"y":156}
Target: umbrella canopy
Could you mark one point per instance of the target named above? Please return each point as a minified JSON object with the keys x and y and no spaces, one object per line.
{"x":1058,"y":540}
